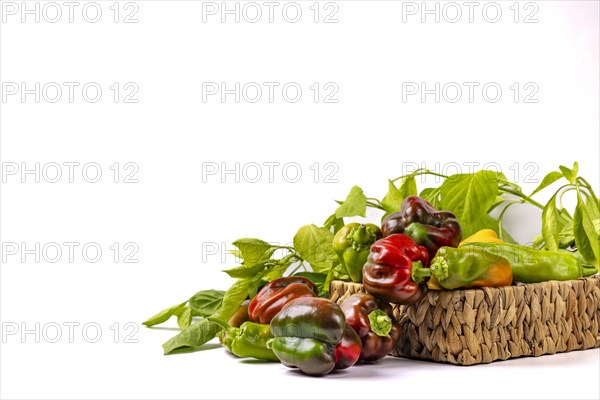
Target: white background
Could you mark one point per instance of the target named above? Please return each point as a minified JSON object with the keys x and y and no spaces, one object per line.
{"x":174,"y":212}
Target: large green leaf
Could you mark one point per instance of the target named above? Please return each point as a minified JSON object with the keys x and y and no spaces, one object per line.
{"x":469,"y":197}
{"x":315,"y":245}
{"x":432,"y":195}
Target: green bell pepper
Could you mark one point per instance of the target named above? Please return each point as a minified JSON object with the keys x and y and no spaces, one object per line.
{"x":352,"y":244}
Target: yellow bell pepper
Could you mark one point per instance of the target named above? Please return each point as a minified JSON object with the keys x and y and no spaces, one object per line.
{"x":483,"y":236}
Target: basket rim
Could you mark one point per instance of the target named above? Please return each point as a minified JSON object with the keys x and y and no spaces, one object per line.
{"x":515,"y":285}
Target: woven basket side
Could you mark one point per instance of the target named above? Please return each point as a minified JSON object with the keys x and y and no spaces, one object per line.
{"x":483,"y":325}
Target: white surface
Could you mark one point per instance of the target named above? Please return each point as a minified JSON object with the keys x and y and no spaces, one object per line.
{"x":140,"y":371}
{"x":172,"y":215}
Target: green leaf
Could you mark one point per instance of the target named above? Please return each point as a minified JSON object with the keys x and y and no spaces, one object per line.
{"x":253,"y":251}
{"x":276,"y":272}
{"x":586,"y":237}
{"x":164,"y":315}
{"x":592,"y":207}
{"x":566,"y":237}
{"x":563,"y":217}
{"x":316,"y":277}
{"x":570,"y":174}
{"x":315,"y":245}
{"x":192,"y":337}
{"x":550,"y":226}
{"x":206,"y":302}
{"x":548,"y":180}
{"x":254,"y":286}
{"x":392,"y":200}
{"x":395,"y":196}
{"x":184,"y":319}
{"x":499,"y":200}
{"x":538,"y":241}
{"x":432,"y":195}
{"x":469,"y":196}
{"x":335,"y":222}
{"x":354,"y":205}
{"x":236,"y":253}
{"x":576,"y":168}
{"x":408,"y":187}
{"x":488,"y":222}
{"x":335,"y":273}
{"x":233,"y":298}
{"x":244,"y":271}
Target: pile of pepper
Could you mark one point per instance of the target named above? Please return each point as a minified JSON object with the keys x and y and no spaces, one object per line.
{"x":287,"y":322}
{"x":307,"y":332}
{"x":417,"y":249}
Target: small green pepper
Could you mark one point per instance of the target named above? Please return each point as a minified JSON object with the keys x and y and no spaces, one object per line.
{"x":531,"y":265}
{"x":466,"y":267}
{"x":249,"y":340}
{"x":352,"y":244}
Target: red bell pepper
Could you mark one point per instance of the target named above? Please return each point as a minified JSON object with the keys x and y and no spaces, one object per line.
{"x":387,"y":275}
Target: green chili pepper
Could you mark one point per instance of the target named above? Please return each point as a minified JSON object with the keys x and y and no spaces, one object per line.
{"x":249,"y":340}
{"x":352,"y":244}
{"x":466,"y":267}
{"x":531,"y":265}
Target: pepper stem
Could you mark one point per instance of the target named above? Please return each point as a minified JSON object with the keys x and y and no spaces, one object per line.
{"x":381,"y":323}
{"x":439,"y":268}
{"x":419,"y":273}
{"x":359,"y":238}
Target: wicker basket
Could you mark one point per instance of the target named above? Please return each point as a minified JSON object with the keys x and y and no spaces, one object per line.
{"x":467,"y":327}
